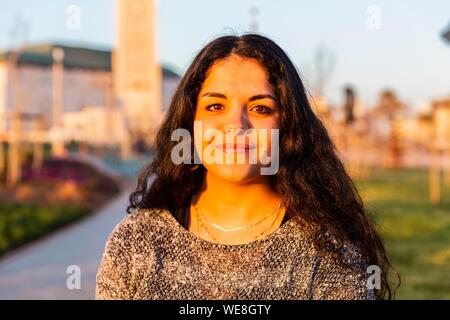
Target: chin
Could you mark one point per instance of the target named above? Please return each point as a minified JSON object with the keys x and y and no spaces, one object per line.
{"x":236,"y":173}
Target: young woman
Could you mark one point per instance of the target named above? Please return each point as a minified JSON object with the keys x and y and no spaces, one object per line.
{"x":293,"y":227}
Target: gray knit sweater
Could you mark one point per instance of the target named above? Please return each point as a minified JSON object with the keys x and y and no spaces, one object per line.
{"x":150,"y":255}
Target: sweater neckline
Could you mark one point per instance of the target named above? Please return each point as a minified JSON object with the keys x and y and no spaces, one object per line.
{"x":283,"y":228}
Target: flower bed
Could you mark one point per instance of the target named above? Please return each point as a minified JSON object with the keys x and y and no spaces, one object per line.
{"x":61,"y":192}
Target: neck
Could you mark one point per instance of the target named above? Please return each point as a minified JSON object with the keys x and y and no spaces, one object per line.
{"x":235,"y":204}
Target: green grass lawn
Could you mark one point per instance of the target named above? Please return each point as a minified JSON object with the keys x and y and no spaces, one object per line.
{"x":22,"y":223}
{"x":416,"y":234}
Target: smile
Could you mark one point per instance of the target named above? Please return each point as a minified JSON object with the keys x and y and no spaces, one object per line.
{"x":234,"y":148}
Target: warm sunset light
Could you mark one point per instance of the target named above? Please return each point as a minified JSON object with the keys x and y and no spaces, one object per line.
{"x":234,"y":150}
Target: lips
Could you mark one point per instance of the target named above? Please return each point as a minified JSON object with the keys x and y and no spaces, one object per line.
{"x":235,"y":147}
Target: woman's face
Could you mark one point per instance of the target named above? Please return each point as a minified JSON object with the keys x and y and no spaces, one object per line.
{"x":235,"y":104}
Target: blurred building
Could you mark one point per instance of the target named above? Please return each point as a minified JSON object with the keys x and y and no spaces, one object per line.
{"x":89,"y":100}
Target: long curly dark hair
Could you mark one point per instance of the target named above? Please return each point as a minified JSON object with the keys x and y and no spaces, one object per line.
{"x":311,"y":179}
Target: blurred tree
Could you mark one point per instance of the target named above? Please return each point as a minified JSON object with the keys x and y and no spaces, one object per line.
{"x":324,"y":62}
{"x":349,"y":105}
{"x":389,"y":107}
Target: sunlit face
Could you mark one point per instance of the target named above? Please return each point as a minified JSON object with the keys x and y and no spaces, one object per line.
{"x":236,"y":95}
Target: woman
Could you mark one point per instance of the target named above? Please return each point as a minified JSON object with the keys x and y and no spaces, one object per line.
{"x":289,"y":225}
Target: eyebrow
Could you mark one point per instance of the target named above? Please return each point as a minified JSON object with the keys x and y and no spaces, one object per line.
{"x":256,"y":97}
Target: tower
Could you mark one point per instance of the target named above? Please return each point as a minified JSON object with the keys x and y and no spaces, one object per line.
{"x":137,"y":73}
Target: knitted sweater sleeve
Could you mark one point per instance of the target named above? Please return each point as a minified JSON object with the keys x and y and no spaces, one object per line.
{"x":341,"y":278}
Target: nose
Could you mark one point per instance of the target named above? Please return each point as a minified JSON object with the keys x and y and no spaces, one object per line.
{"x":237,"y":121}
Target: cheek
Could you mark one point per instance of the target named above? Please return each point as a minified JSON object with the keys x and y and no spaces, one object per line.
{"x":265,"y":130}
{"x":201,"y":131}
{"x":270,"y":122}
{"x":203,"y":134}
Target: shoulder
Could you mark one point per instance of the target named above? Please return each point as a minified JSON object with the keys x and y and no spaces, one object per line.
{"x":341,"y":255}
{"x":340,"y":272}
{"x":140,"y":226}
{"x":143,"y":218}
{"x":127,"y":251}
{"x":345,"y":253}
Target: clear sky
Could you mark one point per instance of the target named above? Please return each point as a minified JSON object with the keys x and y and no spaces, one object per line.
{"x":406,"y":53}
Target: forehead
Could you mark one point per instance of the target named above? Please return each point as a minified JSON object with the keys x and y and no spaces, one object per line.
{"x":237,"y":75}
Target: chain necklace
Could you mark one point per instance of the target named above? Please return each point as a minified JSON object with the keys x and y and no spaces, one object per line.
{"x":215,"y":288}
{"x":200,"y":218}
{"x":240,"y":228}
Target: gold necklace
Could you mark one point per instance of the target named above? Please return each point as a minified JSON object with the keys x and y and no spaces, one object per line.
{"x":200,"y":219}
{"x":240,"y":228}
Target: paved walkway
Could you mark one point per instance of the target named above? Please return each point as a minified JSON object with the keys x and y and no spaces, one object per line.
{"x":38,"y":271}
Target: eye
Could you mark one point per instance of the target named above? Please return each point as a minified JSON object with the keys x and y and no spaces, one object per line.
{"x":214,"y":107}
{"x":262,"y":110}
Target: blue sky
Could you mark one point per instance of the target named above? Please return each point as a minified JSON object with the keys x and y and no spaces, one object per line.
{"x":406,"y":54}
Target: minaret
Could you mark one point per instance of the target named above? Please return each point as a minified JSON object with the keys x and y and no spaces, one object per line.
{"x":137,"y":73}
